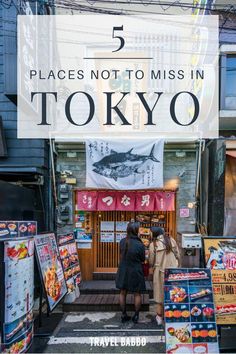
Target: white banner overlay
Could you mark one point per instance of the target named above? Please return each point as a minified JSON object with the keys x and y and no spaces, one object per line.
{"x":98,"y":75}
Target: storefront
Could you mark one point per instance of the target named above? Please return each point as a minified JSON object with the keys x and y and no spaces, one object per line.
{"x":98,"y":257}
{"x":100,"y":231}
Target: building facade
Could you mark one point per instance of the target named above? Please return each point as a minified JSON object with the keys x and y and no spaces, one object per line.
{"x":25,"y":164}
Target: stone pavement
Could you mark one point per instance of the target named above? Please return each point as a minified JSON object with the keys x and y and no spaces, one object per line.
{"x":101,"y":332}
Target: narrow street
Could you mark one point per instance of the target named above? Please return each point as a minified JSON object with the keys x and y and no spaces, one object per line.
{"x":92,"y":331}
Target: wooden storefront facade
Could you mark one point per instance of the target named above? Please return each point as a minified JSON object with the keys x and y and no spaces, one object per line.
{"x":103,"y":257}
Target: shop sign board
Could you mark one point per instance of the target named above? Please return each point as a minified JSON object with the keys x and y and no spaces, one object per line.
{"x":125,"y":201}
{"x":189,"y":311}
{"x":220,"y":257}
{"x":18,"y":228}
{"x":18,"y":297}
{"x":70,"y":260}
{"x":50,"y":269}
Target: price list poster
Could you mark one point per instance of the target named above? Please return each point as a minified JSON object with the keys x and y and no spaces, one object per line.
{"x":220,"y":257}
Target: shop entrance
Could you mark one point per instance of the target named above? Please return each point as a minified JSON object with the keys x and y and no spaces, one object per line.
{"x":106,"y":254}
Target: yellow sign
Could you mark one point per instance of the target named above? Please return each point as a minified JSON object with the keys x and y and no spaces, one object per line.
{"x":220,"y":257}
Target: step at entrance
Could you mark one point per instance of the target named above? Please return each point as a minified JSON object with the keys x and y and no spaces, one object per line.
{"x":104,"y":276}
{"x":107,"y":287}
{"x":103,"y":302}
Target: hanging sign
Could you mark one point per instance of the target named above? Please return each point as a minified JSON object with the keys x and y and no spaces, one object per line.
{"x":145,"y":201}
{"x":137,"y":165}
{"x":86,"y":200}
{"x":189,"y":311}
{"x":165,"y":201}
{"x":50,"y":267}
{"x":106,"y":201}
{"x":220,"y":257}
{"x":125,"y":201}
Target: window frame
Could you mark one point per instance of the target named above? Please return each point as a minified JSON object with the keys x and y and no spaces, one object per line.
{"x":225,"y":50}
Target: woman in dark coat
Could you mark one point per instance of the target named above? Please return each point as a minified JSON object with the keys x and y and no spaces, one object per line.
{"x":130,"y":275}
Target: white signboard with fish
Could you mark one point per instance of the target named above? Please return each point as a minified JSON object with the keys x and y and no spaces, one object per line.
{"x":137,"y":164}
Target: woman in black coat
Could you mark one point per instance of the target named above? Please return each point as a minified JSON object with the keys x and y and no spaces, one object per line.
{"x":130,"y":275}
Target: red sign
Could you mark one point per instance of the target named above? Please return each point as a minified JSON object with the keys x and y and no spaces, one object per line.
{"x":165,"y":201}
{"x":145,"y":201}
{"x":87,"y":200}
{"x":106,"y":201}
{"x":125,"y":201}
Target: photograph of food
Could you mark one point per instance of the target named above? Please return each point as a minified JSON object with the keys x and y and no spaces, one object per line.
{"x":18,"y":251}
{"x":70,"y":285}
{"x":202,"y":312}
{"x":52,"y":284}
{"x":200,"y":294}
{"x":31,"y":228}
{"x":23,"y":228}
{"x":66,"y":263}
{"x":228,"y":309}
{"x":64,"y":252}
{"x":12,"y":227}
{"x":180,"y":349}
{"x":177,"y":313}
{"x":175,"y":294}
{"x":204,"y":332}
{"x":21,"y":345}
{"x":203,"y":348}
{"x":193,"y":275}
{"x":178,"y":333}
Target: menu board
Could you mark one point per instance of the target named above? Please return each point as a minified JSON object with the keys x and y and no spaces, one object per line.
{"x":70,"y":260}
{"x":220,"y":257}
{"x":50,"y":267}
{"x":17,"y":330}
{"x":18,"y":228}
{"x":189,"y":311}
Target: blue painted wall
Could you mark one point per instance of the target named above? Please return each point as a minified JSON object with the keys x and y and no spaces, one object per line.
{"x":21,"y":152}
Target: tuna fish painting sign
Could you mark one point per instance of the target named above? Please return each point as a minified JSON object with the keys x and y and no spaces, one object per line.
{"x":137,"y":164}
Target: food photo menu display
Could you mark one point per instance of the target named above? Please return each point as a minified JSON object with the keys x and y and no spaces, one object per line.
{"x":18,"y":228}
{"x":50,"y":267}
{"x":17,"y":327}
{"x":70,"y":260}
{"x":189,"y":311}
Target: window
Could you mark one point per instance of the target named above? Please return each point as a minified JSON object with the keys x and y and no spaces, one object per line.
{"x":228,"y":82}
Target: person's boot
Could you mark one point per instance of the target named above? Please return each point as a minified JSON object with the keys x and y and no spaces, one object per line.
{"x":135,"y":317}
{"x":125,"y":317}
